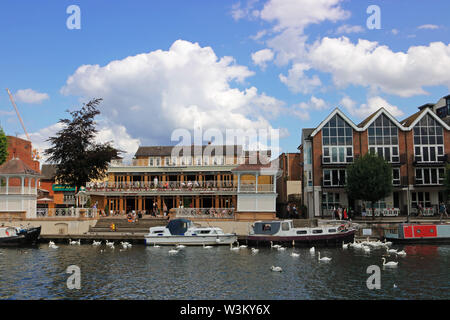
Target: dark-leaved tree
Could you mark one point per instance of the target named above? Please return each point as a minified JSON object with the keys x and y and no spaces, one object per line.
{"x":3,"y":146}
{"x":369,"y":178}
{"x":77,"y":156}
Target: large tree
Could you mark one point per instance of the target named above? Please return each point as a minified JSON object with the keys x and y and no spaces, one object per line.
{"x":78,"y":157}
{"x":369,"y":178}
{"x":3,"y":146}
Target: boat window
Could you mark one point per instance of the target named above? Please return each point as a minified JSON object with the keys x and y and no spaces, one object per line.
{"x":317,"y":231}
{"x":331,"y":230}
{"x":267,"y":227}
{"x":204,"y":231}
{"x":431,"y":230}
{"x":285,"y":226}
{"x":302,"y":232}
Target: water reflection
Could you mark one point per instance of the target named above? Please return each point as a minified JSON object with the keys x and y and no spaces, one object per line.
{"x":219,"y":273}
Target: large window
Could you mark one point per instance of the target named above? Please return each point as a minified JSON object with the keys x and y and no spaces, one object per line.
{"x":396,"y":176}
{"x":429,"y":176}
{"x":334,"y":178}
{"x":330,"y":200}
{"x":420,"y":197}
{"x":428,"y":140}
{"x":337,"y":141}
{"x":383,"y":138}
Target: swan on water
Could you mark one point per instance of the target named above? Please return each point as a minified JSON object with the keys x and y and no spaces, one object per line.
{"x":233,"y":248}
{"x":277,"y":269}
{"x":173,"y":251}
{"x":312,"y":250}
{"x":274,"y":245}
{"x":254,"y":250}
{"x":389,"y":264}
{"x":206,"y":247}
{"x":344,"y":245}
{"x":324,"y":258}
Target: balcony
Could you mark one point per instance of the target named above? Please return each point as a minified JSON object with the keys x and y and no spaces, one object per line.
{"x":329,"y":184}
{"x":336,"y":164}
{"x":441,"y":160}
{"x":160,"y":187}
{"x":18,"y":190}
{"x":261,"y":188}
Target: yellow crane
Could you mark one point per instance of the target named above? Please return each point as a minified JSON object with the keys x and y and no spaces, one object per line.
{"x":34,"y":154}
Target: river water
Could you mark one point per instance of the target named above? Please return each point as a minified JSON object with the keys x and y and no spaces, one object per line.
{"x":221,"y":274}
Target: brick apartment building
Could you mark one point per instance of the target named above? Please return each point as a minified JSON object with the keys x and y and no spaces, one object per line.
{"x":289,"y":182}
{"x":418,"y":149}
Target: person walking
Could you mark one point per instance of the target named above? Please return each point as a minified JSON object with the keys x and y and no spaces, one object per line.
{"x":443,"y":210}
{"x":419,"y":210}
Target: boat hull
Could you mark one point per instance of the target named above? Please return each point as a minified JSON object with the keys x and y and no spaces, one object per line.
{"x":192,"y":240}
{"x":420,"y":233}
{"x":28,"y":237}
{"x":327,"y":239}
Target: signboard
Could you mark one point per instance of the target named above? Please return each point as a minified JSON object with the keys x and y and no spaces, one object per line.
{"x":367,"y":232}
{"x":62,"y":187}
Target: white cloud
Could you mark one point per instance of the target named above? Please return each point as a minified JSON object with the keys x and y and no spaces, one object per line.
{"x":151,"y":94}
{"x":375,"y":66}
{"x":261,"y":57}
{"x":238,"y":12}
{"x":372,"y":105}
{"x":394,"y":32}
{"x":106,"y":133}
{"x":302,"y":109}
{"x":297,"y":81}
{"x":428,"y":26}
{"x":349,"y":29}
{"x":30,"y":96}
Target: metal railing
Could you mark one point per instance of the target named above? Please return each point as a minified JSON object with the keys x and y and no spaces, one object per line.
{"x":211,"y":213}
{"x":161,"y":186}
{"x":66,"y":212}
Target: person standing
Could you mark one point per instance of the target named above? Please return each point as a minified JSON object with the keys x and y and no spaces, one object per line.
{"x":339,"y":211}
{"x":443,"y":210}
{"x":345,"y":214}
{"x":165,"y":209}
{"x":419,"y":210}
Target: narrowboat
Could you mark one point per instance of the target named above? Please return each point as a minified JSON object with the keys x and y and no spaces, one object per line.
{"x":283,"y":231}
{"x":16,"y":236}
{"x":185,"y":232}
{"x":420,"y":233}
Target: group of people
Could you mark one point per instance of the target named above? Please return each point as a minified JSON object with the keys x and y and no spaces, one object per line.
{"x":341,"y":213}
{"x":159,"y":185}
{"x":292,"y":212}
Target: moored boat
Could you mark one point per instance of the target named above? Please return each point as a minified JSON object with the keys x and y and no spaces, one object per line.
{"x":420,"y":233}
{"x":184,"y":231}
{"x":16,"y":236}
{"x":283,"y":231}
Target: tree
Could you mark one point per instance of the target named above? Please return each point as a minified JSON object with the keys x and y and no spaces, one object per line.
{"x":369,"y":178}
{"x":3,"y":146}
{"x":78,"y":157}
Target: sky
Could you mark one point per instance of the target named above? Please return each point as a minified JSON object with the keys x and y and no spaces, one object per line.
{"x":165,"y":67}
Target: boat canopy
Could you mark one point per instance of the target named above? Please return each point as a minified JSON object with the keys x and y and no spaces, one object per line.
{"x":179,"y":226}
{"x":266,"y":227}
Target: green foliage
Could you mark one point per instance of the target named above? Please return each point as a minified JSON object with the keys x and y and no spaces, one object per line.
{"x":369,"y":178}
{"x":3,"y":146}
{"x":78,"y":157}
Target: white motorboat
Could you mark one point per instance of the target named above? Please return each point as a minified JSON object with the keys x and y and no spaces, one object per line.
{"x":184,"y":231}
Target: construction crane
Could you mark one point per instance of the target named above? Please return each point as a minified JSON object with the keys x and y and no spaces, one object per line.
{"x":18,"y":115}
{"x":34,"y":152}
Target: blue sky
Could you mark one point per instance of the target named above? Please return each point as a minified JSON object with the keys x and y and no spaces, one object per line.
{"x":147,"y":98}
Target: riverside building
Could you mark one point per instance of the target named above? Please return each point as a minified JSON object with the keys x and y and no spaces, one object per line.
{"x":418,"y":148}
{"x":199,"y":181}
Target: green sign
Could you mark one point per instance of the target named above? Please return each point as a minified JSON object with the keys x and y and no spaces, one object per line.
{"x":62,"y":187}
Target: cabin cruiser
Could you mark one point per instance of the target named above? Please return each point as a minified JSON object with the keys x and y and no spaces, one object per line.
{"x":283,"y":231}
{"x":184,"y":231}
{"x":14,"y":236}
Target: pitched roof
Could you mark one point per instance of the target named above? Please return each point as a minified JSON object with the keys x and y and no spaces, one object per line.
{"x":210,"y":149}
{"x":48,"y":171}
{"x":17,"y":166}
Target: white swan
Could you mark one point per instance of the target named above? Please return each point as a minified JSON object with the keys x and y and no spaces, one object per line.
{"x":294,"y":254}
{"x":173,"y":251}
{"x":274,"y":245}
{"x":254,"y":250}
{"x":389,"y":264}
{"x":96,"y":243}
{"x":73,"y":242}
{"x":312,"y":250}
{"x":156,"y":246}
{"x":344,"y":245}
{"x":233,"y":248}
{"x":181,"y":246}
{"x":111,"y":244}
{"x":206,"y":247}
{"x":366,"y":249}
{"x":401,"y":253}
{"x":53,"y":246}
{"x":387,"y":243}
{"x":51,"y":243}
{"x":281,"y":248}
{"x":391,"y":250}
{"x":324,"y":258}
{"x":276,"y":269}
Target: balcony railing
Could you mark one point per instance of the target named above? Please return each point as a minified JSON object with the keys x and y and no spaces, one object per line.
{"x":18,"y":190}
{"x":254,"y":188}
{"x":66,"y":212}
{"x":141,"y":186}
{"x":440,"y":160}
{"x":212,"y":213}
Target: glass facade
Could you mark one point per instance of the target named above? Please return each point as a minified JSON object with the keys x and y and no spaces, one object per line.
{"x":337,"y":141}
{"x":383,"y":138}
